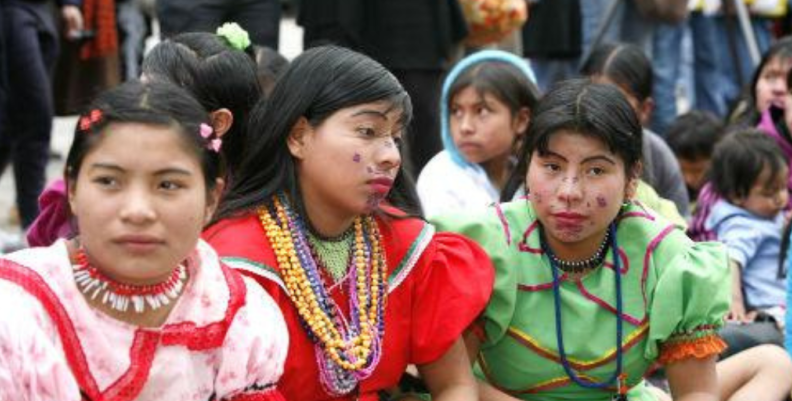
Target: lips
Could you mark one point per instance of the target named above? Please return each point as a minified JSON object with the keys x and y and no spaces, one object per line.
{"x":139,"y":243}
{"x":381,"y":185}
{"x":568,"y":219}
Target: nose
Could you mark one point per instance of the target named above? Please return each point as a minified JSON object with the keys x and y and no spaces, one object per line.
{"x":138,"y":206}
{"x":466,"y":125}
{"x":388,"y":155}
{"x":570,"y":190}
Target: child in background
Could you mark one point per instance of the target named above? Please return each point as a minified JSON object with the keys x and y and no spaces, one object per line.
{"x":485,"y":110}
{"x":749,"y":174}
{"x":692,"y":137}
{"x":627,"y":67}
{"x":137,"y":307}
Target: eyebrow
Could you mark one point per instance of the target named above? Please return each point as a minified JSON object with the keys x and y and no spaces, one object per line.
{"x":586,"y":160}
{"x":164,"y":171}
{"x":370,"y":112}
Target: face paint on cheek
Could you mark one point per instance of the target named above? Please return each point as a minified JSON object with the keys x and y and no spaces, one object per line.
{"x":601,"y":202}
{"x":369,"y":170}
{"x":356,"y":157}
{"x":537,"y":198}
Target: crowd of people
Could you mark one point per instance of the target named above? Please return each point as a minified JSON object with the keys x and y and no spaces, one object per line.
{"x":398,"y":213}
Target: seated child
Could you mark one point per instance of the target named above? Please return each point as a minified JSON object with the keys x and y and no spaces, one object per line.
{"x":749,"y":174}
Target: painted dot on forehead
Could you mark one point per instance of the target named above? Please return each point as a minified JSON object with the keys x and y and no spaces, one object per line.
{"x":356,"y":157}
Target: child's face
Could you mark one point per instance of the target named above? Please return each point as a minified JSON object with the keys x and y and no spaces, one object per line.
{"x":771,"y":86}
{"x":140,"y":200}
{"x":347,"y":164}
{"x":577,"y":189}
{"x":695,"y":171}
{"x":482,"y":127}
{"x":768,"y":196}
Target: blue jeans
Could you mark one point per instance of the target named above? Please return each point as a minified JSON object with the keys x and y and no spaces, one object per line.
{"x":717,"y":75}
{"x":627,"y":25}
{"x":667,"y":63}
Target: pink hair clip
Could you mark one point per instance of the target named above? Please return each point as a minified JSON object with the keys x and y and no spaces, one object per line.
{"x":212,"y":144}
{"x":88,"y":120}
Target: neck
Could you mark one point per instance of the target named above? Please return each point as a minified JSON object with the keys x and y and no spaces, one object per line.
{"x":324,"y":218}
{"x":497,"y":170}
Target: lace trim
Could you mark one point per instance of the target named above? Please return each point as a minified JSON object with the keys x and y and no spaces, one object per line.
{"x":697,"y":344}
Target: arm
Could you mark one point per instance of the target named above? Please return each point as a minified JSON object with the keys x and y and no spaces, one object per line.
{"x":72,"y":19}
{"x":449,"y":378}
{"x":485,"y":391}
{"x":693,"y":379}
{"x":737,"y":310}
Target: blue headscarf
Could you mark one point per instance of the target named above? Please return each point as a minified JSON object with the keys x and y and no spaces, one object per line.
{"x":459,"y":68}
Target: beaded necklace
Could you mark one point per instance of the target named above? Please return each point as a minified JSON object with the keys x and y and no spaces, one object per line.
{"x":347,"y":351}
{"x":618,"y":378}
{"x":577,"y":266}
{"x":120,"y":296}
{"x":333,"y":253}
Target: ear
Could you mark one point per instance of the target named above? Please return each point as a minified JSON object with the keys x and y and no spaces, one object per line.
{"x":222,"y":120}
{"x":71,"y":194}
{"x":646,"y":110}
{"x":297,"y":140}
{"x":213,"y":200}
{"x":521,"y":120}
{"x":632,"y":182}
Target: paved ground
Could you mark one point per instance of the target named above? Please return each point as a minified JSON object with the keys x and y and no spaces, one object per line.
{"x":290,"y":46}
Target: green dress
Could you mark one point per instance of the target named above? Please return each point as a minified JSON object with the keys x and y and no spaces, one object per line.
{"x":675,"y":294}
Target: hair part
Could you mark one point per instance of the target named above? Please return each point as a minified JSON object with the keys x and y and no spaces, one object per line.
{"x":598,"y":111}
{"x":624,"y":64}
{"x":739,"y":160}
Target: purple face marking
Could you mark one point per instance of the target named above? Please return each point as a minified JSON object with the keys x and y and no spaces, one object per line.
{"x":356,"y":157}
{"x":601,"y":202}
{"x":537,"y":198}
{"x":369,"y":170}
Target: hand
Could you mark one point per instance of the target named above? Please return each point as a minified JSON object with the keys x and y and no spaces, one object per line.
{"x":72,"y":20}
{"x":737,"y":313}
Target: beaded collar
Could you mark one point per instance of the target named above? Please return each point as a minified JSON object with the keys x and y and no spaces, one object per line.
{"x":119,"y":296}
{"x":347,"y":349}
{"x":333,"y":253}
{"x":578,"y":266}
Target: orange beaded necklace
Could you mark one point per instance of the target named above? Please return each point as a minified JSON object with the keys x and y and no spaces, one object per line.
{"x":353,"y":346}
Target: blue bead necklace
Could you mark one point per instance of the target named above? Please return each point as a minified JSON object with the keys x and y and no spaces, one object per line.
{"x":617,"y":378}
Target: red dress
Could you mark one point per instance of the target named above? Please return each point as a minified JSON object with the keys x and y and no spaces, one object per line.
{"x":438,"y":284}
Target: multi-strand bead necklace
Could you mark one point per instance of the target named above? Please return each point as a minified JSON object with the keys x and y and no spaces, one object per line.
{"x":347,"y":350}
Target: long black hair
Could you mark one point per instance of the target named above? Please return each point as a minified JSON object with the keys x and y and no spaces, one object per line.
{"x":624,"y":64}
{"x":597,"y":110}
{"x":318,"y":83}
{"x":218,"y":75}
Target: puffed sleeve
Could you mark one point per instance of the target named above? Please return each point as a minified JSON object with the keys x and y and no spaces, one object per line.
{"x":32,"y":366}
{"x":488,"y":233}
{"x":690,"y":298}
{"x":254,"y":351}
{"x":452,"y":283}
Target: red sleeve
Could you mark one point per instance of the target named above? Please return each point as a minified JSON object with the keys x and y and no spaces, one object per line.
{"x":451,"y":286}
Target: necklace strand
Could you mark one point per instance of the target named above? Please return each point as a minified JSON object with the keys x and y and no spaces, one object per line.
{"x":347,"y":351}
{"x":120,"y":296}
{"x":577,"y":266}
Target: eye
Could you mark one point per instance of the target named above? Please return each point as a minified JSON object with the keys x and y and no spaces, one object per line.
{"x":552,"y":167}
{"x":367,"y":131}
{"x":169,"y":185}
{"x":106,"y":182}
{"x":595,"y":171}
{"x":456,"y":112}
{"x":483,"y":111}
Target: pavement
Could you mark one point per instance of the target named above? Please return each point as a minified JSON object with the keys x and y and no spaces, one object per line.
{"x":63,"y":130}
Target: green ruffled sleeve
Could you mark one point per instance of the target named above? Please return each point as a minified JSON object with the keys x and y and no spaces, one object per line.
{"x":690,"y":297}
{"x":490,"y":233}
